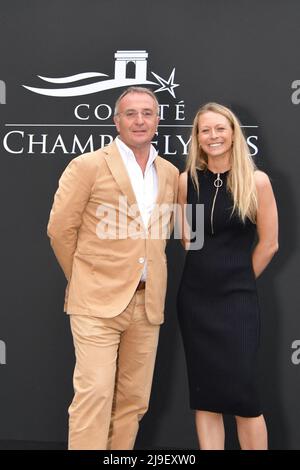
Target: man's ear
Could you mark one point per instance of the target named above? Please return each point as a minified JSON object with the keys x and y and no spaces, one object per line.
{"x":116,"y":121}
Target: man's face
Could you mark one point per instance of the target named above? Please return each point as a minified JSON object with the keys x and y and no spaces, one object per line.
{"x":137,"y":119}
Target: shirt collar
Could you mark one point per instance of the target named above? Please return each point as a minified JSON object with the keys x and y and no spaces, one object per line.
{"x":128,"y":153}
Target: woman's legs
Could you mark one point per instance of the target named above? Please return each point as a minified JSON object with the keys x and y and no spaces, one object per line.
{"x":210,"y":430}
{"x":252,"y":433}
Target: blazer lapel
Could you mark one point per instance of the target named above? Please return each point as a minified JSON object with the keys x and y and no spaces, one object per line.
{"x":161,"y":177}
{"x":119,"y":172}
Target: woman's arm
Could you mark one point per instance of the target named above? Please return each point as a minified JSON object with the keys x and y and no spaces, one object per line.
{"x":267,"y":224}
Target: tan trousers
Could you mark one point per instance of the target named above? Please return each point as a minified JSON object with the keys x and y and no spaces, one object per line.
{"x":113,"y":376}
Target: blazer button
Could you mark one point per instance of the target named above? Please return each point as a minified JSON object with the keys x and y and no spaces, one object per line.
{"x":141,"y":260}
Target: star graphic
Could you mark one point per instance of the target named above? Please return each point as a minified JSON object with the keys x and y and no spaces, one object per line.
{"x":168,"y":85}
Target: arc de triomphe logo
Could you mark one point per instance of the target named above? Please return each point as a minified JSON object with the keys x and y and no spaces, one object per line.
{"x":130,"y":69}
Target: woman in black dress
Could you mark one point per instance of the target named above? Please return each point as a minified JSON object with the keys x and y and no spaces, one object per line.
{"x":217,"y":300}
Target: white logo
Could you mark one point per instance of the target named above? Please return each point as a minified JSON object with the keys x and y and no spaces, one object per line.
{"x":2,"y":352}
{"x":296,"y":354}
{"x":130,"y":224}
{"x":295,"y":97}
{"x":2,"y":92}
{"x":92,"y":126}
{"x":122,"y":58}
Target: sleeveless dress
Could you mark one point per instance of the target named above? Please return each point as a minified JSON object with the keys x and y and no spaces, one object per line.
{"x":218,"y":307}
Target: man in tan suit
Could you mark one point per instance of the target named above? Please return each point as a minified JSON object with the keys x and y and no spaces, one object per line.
{"x":108,"y":226}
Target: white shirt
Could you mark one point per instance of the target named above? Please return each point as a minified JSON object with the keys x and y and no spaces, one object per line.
{"x":145,"y":186}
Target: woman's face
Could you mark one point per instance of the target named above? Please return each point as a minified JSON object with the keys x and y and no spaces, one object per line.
{"x":215,"y":134}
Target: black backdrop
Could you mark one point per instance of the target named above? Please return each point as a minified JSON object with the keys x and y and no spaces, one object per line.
{"x":241,"y":53}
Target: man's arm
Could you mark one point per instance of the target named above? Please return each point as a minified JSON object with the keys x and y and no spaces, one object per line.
{"x":65,"y":220}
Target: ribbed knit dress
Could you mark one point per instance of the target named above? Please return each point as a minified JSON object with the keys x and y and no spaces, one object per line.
{"x":218,"y":306}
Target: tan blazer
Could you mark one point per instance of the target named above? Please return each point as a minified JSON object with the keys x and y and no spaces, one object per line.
{"x":102,"y":272}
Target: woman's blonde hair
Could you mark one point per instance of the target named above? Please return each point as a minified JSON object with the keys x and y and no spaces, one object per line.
{"x":240,"y":181}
